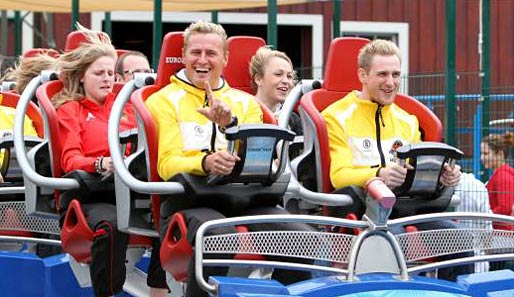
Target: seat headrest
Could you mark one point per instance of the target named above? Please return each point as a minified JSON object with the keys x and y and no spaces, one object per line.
{"x":429,"y":124}
{"x":241,"y":50}
{"x":120,"y":52}
{"x":33,"y":52}
{"x":170,"y":60}
{"x":341,"y":64}
{"x":76,"y":38}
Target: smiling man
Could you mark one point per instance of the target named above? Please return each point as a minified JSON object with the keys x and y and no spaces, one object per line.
{"x":365,"y":128}
{"x":191,"y":114}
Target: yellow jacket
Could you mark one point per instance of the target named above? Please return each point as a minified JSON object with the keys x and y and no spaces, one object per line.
{"x":184,"y":134}
{"x":7,"y":124}
{"x":363,"y":136}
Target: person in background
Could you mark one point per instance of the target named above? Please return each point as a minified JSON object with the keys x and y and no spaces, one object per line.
{"x":30,"y":67}
{"x":496,"y":150}
{"x":22,"y":73}
{"x":273,"y":78}
{"x":83,"y":109}
{"x":191,"y":115}
{"x":130,"y":63}
{"x":473,"y":197}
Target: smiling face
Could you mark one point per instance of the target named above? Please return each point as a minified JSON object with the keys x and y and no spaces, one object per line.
{"x":381,"y":82}
{"x":275,"y":83}
{"x":204,"y":59}
{"x":99,"y":79}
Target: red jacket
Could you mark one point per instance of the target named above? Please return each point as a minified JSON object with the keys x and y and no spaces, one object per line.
{"x":83,"y":131}
{"x":501,"y":192}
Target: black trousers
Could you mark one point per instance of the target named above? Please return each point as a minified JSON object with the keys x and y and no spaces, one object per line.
{"x":197,"y":216}
{"x":108,"y":252}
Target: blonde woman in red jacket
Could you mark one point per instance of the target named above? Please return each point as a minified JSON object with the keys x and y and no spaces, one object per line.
{"x":83,"y":111}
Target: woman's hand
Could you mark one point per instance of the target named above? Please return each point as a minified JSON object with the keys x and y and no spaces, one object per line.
{"x":107,"y":164}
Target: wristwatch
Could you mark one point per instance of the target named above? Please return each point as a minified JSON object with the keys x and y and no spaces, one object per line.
{"x":233,"y":123}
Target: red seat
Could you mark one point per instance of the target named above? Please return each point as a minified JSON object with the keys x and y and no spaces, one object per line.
{"x":10,"y":99}
{"x":75,"y":38}
{"x":170,"y":61}
{"x":339,"y":79}
{"x":76,"y":235}
{"x":41,"y":51}
{"x":241,"y":50}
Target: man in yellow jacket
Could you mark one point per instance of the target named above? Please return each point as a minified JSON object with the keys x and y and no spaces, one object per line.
{"x":6,"y":128}
{"x":191,"y":114}
{"x":365,"y":128}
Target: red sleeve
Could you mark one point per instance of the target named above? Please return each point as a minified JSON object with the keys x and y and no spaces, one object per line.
{"x":501,"y":192}
{"x":72,"y":156}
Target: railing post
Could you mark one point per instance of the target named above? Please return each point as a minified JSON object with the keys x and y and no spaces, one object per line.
{"x":451,"y":102}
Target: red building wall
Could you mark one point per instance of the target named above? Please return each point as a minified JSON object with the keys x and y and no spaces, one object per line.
{"x":427,"y":32}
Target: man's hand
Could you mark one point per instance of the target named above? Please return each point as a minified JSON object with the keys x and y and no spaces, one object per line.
{"x":450,"y":176}
{"x":218,"y":111}
{"x":220,"y":163}
{"x":394,"y":174}
{"x":1,"y":178}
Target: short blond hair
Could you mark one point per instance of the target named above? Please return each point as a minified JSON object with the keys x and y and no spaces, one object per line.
{"x":204,"y":27}
{"x":377,"y":47}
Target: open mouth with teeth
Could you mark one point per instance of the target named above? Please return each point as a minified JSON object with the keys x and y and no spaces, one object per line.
{"x":202,"y":70}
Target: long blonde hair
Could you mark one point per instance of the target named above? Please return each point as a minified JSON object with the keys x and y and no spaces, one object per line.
{"x":28,"y":68}
{"x":73,"y":64}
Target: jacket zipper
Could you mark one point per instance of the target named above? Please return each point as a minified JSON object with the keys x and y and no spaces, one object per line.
{"x":378,"y":120}
{"x":213,"y":135}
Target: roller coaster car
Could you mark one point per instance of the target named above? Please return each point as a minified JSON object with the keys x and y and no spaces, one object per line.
{"x":256,"y":181}
{"x":339,"y":79}
{"x":144,"y":161}
{"x":33,"y":52}
{"x":170,"y":62}
{"x":14,"y":220}
{"x":373,"y":262}
{"x":49,"y":190}
{"x":240,"y":190}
